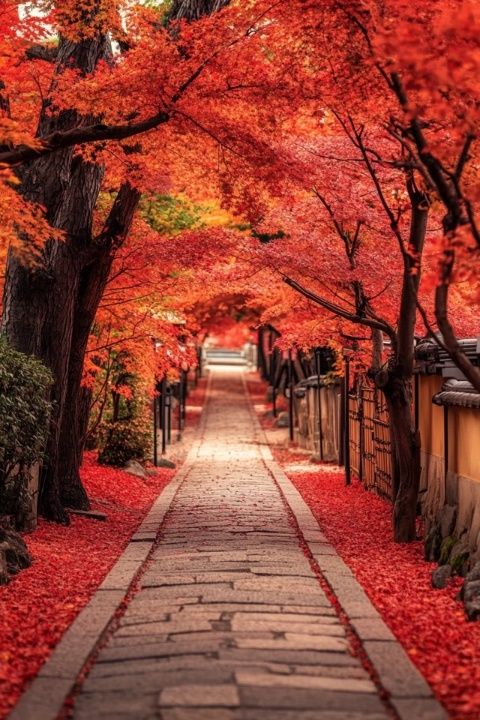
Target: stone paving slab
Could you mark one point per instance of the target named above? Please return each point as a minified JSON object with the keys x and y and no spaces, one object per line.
{"x":230,"y":621}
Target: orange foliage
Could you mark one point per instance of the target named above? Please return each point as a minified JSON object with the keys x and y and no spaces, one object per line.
{"x":261,"y":103}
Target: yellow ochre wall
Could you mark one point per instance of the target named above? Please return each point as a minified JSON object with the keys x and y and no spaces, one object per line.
{"x":430,"y":416}
{"x":463,"y":430}
{"x":464,"y":442}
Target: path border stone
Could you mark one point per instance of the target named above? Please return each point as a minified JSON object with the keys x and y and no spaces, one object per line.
{"x":409,"y":692}
{"x":45,"y":697}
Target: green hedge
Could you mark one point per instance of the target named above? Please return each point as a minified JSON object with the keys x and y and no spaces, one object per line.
{"x":124,"y":440}
{"x":24,"y":423}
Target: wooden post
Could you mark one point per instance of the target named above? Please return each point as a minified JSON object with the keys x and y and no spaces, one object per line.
{"x":319,"y":402}
{"x":179,"y":416}
{"x":445,"y":445}
{"x":162,"y":414}
{"x":168,"y":402}
{"x":346,"y":413}
{"x":259,"y":348}
{"x":184,"y":394}
{"x":417,"y":399}
{"x":273,"y":372}
{"x":290,"y":397}
{"x":155,"y":430}
{"x":342,"y":428}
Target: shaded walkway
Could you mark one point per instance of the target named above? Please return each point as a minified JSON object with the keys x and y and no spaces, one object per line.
{"x":230,"y":621}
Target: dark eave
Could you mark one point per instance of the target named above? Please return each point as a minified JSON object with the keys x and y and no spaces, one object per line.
{"x":457,"y":393}
{"x":431,"y":359}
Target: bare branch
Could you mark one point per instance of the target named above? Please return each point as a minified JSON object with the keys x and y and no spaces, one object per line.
{"x":464,"y":156}
{"x":339,"y":311}
{"x":79,"y":136}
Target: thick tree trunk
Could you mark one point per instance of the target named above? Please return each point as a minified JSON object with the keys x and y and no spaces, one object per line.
{"x":377,"y":350}
{"x":71,"y":446}
{"x":39,"y":320}
{"x":39,"y":302}
{"x":92,"y":283}
{"x":194,"y":9}
{"x":74,"y":423}
{"x":396,"y":382}
{"x":93,"y":280}
{"x":405,"y":458}
{"x":48,"y":310}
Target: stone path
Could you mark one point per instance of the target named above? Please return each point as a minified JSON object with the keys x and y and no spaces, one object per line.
{"x":230,"y":621}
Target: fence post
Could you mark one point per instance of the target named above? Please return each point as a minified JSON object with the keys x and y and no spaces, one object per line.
{"x":290,"y":397}
{"x":179,"y":417}
{"x":199,"y":368}
{"x":273,"y":372}
{"x":346,"y":414}
{"x":342,"y":426}
{"x":168,"y":403}
{"x":184,"y":396}
{"x":259,"y":349}
{"x":445,"y":446}
{"x":417,"y":399}
{"x":163,"y":413}
{"x":361,"y":438}
{"x":155,"y":429}
{"x":319,"y":402}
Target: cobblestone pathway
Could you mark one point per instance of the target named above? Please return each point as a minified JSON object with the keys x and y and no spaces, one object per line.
{"x":230,"y":621}
{"x":227,"y":619}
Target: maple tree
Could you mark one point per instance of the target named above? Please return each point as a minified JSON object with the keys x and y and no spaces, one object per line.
{"x":345,"y":153}
{"x":435,"y":122}
{"x":376,"y":180}
{"x":49,"y":308}
{"x":359,"y":245}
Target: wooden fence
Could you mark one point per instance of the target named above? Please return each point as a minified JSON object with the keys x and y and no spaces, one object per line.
{"x":370,"y":443}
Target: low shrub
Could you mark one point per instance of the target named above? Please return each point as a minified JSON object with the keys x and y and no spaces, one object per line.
{"x":124,"y":440}
{"x":24,"y":423}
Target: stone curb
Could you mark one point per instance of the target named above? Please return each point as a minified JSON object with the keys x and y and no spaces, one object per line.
{"x":409,"y":693}
{"x":45,"y":697}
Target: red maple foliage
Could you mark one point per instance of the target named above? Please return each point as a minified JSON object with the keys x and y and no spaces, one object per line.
{"x":195,"y":403}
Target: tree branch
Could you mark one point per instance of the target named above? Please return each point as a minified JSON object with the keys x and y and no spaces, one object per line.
{"x":430,"y":162}
{"x":341,"y":312}
{"x":48,"y":53}
{"x":79,"y":136}
{"x":120,"y":217}
{"x":411,"y":277}
{"x":464,"y":156}
{"x":471,"y":372}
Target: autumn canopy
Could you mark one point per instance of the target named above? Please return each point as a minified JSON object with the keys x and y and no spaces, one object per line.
{"x":168,"y":166}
